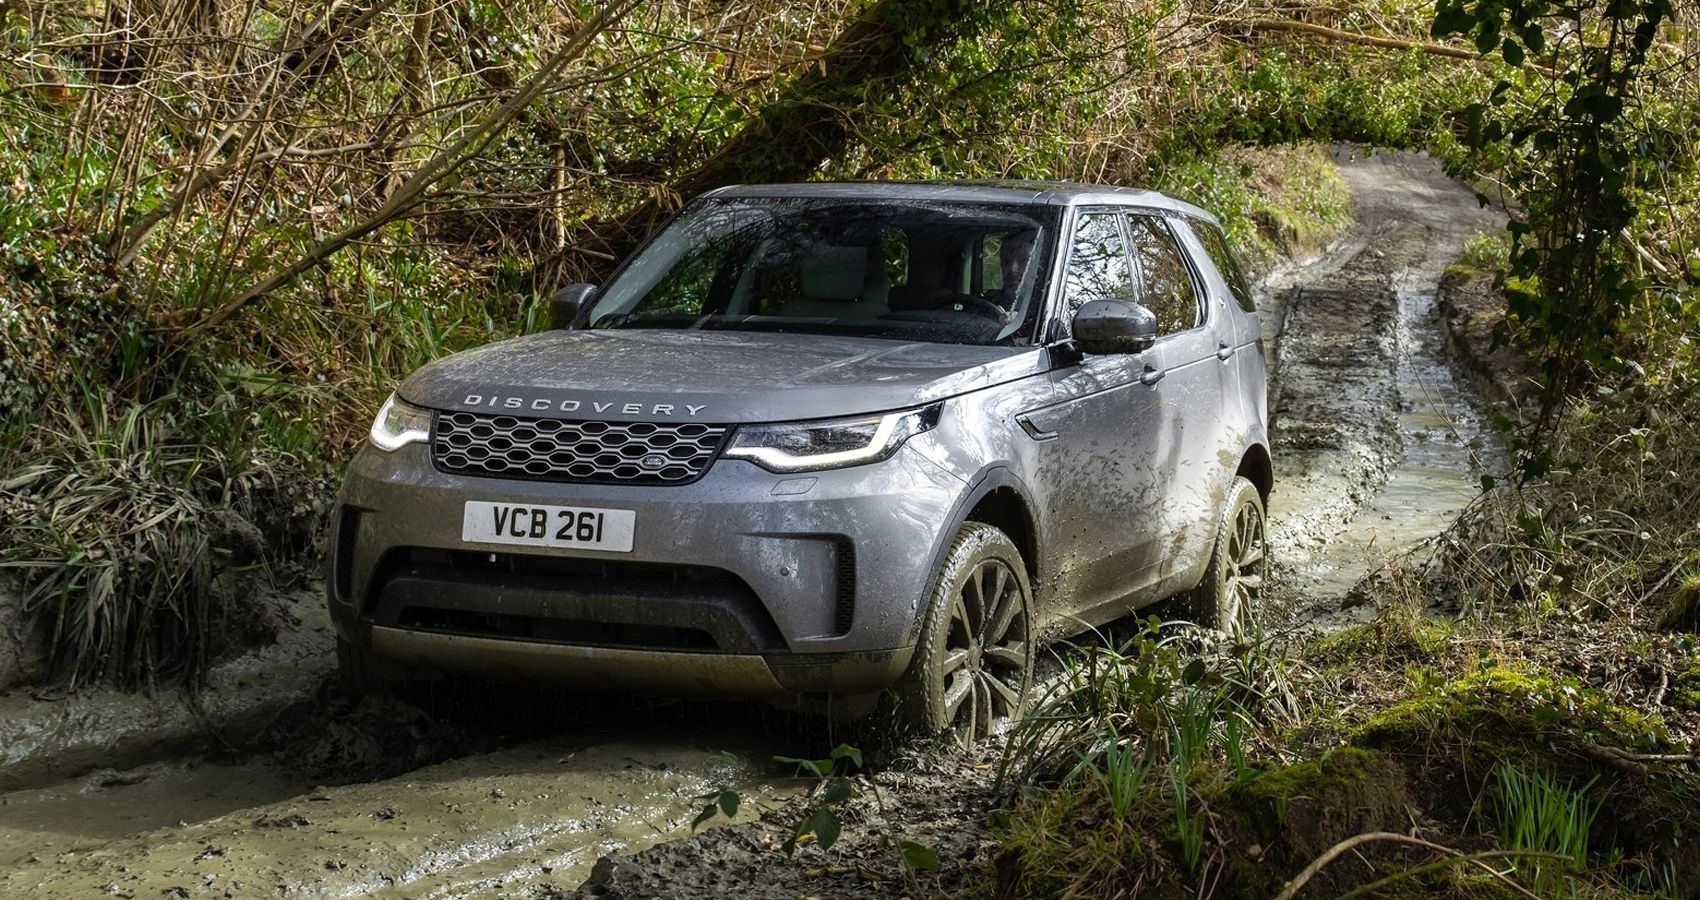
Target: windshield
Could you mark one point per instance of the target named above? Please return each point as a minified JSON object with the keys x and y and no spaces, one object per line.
{"x":960,"y":273}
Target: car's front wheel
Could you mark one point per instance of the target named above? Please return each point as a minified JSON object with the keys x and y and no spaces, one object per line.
{"x":1228,"y":598}
{"x":974,"y":661}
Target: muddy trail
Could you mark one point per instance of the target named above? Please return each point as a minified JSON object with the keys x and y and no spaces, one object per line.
{"x":1378,"y":446}
{"x":506,"y":795}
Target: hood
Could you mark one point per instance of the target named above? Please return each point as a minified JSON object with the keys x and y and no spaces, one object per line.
{"x":720,"y":377}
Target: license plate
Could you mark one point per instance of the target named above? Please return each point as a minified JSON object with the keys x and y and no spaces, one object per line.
{"x":534,"y":525}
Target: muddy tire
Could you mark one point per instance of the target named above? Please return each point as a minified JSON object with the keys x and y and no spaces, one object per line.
{"x":974,"y":661}
{"x":1227,"y":600}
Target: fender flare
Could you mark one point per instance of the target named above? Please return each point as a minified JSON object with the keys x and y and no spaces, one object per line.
{"x":990,"y":479}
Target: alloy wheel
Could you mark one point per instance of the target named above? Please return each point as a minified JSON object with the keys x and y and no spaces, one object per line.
{"x":1243,"y":575}
{"x":987,"y":656}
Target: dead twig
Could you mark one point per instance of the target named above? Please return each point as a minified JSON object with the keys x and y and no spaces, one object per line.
{"x":1334,"y":852}
{"x":1638,"y":763}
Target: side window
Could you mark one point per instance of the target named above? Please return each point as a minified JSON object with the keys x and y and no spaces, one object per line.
{"x":991,"y":268}
{"x":1165,"y":279}
{"x":1216,"y":245}
{"x":1097,"y":262}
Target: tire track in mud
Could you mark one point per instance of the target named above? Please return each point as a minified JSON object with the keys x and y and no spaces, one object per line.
{"x":1376,"y":446}
{"x":1371,"y":444}
{"x":530,"y":818}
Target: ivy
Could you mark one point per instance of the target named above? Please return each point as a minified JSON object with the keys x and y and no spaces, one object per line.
{"x":1570,"y":132}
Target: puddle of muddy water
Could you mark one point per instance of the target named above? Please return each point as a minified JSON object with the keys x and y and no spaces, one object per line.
{"x":1445,"y":449}
{"x":531,"y":816}
{"x":107,"y":805}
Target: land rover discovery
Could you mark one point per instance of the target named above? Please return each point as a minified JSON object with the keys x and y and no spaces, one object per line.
{"x":827,"y":441}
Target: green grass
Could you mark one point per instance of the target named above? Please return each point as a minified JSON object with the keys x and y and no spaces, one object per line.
{"x":120,"y":521}
{"x":1484,"y":254}
{"x":1535,"y":812}
{"x":1271,"y":201}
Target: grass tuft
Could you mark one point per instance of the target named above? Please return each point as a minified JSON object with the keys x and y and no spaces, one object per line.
{"x":120,"y":524}
{"x":1535,"y":812}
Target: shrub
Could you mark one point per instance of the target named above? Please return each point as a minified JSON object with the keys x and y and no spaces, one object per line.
{"x":122,"y":523}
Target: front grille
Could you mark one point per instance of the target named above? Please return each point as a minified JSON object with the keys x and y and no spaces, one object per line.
{"x":586,"y":452}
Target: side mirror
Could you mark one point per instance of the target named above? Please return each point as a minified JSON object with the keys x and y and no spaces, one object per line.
{"x":564,"y":307}
{"x":1113,"y":326}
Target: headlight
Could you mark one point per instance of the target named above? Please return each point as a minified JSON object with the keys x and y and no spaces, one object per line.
{"x":400,"y":423}
{"x":831,"y":443}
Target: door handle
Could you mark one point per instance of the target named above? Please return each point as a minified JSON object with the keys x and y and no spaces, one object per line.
{"x":1034,"y":431}
{"x":1151,"y":375}
{"x":1224,"y":350}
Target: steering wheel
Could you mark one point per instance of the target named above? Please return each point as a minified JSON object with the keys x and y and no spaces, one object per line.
{"x":969,"y":303}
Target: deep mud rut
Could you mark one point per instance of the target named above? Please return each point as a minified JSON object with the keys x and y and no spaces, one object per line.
{"x":1377,"y":447}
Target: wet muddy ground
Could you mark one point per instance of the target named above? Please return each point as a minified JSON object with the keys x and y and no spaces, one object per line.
{"x":1377,"y":446}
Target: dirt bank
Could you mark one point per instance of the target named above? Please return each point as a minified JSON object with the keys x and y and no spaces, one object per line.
{"x":49,"y":736}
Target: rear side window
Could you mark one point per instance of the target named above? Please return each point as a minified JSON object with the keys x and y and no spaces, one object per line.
{"x":1217,"y":246}
{"x":1164,"y":275}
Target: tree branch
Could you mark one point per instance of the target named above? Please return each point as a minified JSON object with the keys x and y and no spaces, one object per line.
{"x":1353,"y":37}
{"x":441,"y":165}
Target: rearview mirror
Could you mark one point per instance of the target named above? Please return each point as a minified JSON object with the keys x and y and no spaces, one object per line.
{"x":565,"y":305}
{"x":1113,"y":326}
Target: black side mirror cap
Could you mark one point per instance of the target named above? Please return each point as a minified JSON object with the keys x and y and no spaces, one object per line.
{"x":1113,"y":326}
{"x":568,"y":302}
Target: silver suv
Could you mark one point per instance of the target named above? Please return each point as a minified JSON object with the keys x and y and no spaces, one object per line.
{"x":827,"y":441}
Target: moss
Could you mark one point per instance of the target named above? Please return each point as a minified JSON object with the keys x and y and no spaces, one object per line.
{"x":1685,"y":693}
{"x":1339,"y":768}
{"x":1451,"y":739}
{"x":1515,"y":713}
{"x":1380,"y":640}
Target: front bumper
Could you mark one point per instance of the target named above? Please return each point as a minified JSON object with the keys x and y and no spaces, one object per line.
{"x":779,"y":584}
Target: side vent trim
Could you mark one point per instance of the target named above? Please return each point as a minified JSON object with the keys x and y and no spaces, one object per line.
{"x":844,"y":571}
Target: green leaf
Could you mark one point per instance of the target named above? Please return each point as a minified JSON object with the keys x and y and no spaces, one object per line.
{"x":845,"y":751}
{"x":1450,"y":18}
{"x":729,"y":803}
{"x":1487,"y":38}
{"x":1195,"y":672}
{"x":1487,"y":483}
{"x":918,"y":857}
{"x":1513,"y":53}
{"x":826,"y":827}
{"x":838,"y":790}
{"x":1535,"y":37}
{"x":809,"y":765}
{"x":706,"y":814}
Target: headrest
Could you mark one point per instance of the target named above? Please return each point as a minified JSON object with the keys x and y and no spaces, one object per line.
{"x":831,"y":272}
{"x":926,"y":285}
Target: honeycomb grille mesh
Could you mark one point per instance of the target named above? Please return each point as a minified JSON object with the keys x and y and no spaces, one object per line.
{"x":592,"y":452}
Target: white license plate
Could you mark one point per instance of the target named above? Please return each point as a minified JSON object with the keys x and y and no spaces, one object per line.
{"x":534,"y":525}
